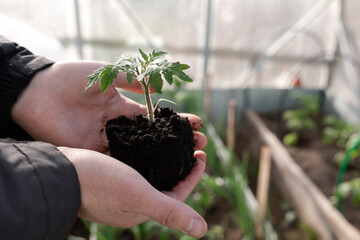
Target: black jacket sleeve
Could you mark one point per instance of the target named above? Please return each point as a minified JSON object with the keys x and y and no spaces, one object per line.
{"x":39,"y":192}
{"x":17,"y":67}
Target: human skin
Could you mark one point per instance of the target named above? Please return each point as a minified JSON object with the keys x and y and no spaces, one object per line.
{"x":113,"y":193}
{"x":54,"y":109}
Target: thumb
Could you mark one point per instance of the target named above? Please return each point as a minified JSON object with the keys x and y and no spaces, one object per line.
{"x":176,"y":215}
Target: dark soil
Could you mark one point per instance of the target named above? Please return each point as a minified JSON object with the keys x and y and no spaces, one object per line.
{"x":162,"y":152}
{"x":221,"y":214}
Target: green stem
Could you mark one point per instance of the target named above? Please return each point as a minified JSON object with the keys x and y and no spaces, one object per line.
{"x":149,"y":106}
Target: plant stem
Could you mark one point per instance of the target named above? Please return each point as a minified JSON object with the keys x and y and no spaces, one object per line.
{"x":149,"y":106}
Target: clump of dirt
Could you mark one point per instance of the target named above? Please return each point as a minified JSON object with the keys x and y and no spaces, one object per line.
{"x":163,"y":152}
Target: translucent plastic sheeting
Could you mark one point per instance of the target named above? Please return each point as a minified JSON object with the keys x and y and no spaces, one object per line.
{"x":240,"y":30}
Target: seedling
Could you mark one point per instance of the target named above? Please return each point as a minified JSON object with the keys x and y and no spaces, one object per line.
{"x":149,"y":69}
{"x":338,"y":132}
{"x":138,"y":142}
{"x":301,"y":119}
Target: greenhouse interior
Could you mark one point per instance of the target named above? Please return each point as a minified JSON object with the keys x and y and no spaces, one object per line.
{"x":276,"y":84}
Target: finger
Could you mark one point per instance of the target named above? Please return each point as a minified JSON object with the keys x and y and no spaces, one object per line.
{"x":135,"y":86}
{"x":174,"y":214}
{"x":195,"y":121}
{"x":200,"y":140}
{"x":121,"y":82}
{"x":185,"y":187}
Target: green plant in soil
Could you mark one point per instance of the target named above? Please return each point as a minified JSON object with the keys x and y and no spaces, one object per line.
{"x":348,"y":189}
{"x":301,"y":119}
{"x":148,"y":144}
{"x":346,"y":136}
{"x":149,"y":69}
{"x":337,"y":131}
{"x":343,"y":189}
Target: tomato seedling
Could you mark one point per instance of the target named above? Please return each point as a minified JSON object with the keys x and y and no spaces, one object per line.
{"x":149,"y":69}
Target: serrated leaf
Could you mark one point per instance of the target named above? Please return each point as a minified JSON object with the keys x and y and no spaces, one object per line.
{"x":170,"y":69}
{"x":168,"y":75}
{"x":94,"y":77}
{"x":180,"y":67}
{"x":144,"y":56}
{"x":155,"y":79}
{"x":157,"y":54}
{"x":125,"y":58}
{"x":107,"y":76}
{"x":130,"y":76}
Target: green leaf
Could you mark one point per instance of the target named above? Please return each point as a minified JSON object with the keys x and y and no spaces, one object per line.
{"x":145,"y":57}
{"x":308,"y":124}
{"x":289,"y":114}
{"x":157,"y":54}
{"x":106,"y":73}
{"x":344,"y":189}
{"x":129,"y":76}
{"x":107,"y":76}
{"x":170,"y":69}
{"x":155,"y":79}
{"x":168,"y":75}
{"x":291,"y":139}
{"x":125,"y":58}
{"x":94,"y":77}
{"x":294,"y":124}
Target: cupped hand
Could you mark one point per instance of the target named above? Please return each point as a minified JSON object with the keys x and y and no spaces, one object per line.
{"x":113,"y":193}
{"x":54,"y":109}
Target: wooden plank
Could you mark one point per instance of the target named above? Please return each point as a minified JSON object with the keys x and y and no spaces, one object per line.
{"x":309,"y":202}
{"x":263,"y":187}
{"x":231,"y":124}
{"x":207,"y":95}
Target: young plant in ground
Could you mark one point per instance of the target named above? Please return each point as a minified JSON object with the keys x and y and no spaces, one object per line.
{"x":337,"y":131}
{"x":301,"y":119}
{"x":348,"y":189}
{"x":351,"y":152}
{"x":149,"y":69}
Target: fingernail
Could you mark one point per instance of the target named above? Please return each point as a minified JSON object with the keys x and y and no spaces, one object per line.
{"x":195,"y":228}
{"x":197,"y":125}
{"x":196,"y":138}
{"x":201,"y":157}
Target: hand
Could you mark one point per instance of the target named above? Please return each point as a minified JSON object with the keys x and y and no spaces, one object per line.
{"x":113,"y":193}
{"x":54,"y":109}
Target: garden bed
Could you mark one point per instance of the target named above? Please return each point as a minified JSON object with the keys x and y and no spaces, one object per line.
{"x":305,"y":176}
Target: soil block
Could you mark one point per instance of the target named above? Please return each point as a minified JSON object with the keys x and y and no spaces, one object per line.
{"x":163,"y":152}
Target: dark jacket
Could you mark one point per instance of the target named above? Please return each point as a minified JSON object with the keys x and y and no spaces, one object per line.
{"x":39,"y":187}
